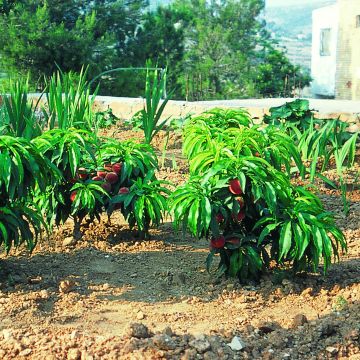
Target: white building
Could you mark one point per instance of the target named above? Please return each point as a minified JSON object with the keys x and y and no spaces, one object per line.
{"x":335,"y":63}
{"x":325,"y":26}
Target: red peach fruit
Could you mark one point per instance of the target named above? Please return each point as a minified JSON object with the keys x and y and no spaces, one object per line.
{"x":234,"y":187}
{"x":111,"y":177}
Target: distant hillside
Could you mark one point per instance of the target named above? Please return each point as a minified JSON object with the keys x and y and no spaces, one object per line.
{"x":286,"y":17}
{"x":290,"y":23}
{"x":293,"y":19}
{"x":154,"y":3}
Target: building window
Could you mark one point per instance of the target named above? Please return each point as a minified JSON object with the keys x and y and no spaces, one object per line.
{"x":358,"y":21}
{"x":325,"y":38}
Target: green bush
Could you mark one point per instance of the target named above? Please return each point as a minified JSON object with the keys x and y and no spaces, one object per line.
{"x":239,"y":197}
{"x":23,"y":170}
{"x":17,"y":116}
{"x":69,"y":102}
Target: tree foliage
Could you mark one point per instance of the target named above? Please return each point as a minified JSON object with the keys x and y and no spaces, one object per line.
{"x":212,"y":49}
{"x":39,"y":37}
{"x":227,"y":47}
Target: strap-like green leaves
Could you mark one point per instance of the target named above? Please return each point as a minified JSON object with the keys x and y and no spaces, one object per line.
{"x":22,"y":168}
{"x":278,"y":219}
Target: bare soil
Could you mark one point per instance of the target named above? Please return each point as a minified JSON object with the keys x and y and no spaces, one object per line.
{"x":112,"y":296}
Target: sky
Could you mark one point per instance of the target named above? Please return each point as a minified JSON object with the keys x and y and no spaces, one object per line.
{"x":272,"y":3}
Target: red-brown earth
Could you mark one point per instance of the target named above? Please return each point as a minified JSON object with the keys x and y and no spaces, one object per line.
{"x":112,"y":296}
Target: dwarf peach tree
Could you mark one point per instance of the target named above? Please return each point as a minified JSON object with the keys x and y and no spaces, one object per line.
{"x":239,"y":197}
{"x":23,"y":170}
{"x":140,"y":197}
{"x":70,"y":150}
{"x":95,"y":173}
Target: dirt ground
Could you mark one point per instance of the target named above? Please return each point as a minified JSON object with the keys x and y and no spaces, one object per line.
{"x":112,"y":296}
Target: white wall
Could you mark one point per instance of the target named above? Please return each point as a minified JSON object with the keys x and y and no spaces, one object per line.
{"x":348,"y":51}
{"x":323,"y":68}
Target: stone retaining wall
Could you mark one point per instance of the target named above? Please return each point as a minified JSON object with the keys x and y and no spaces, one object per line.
{"x":125,"y":108}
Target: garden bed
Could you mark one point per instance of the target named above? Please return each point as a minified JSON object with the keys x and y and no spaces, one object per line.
{"x":80,"y":300}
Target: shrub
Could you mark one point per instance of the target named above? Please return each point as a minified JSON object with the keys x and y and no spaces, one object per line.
{"x":18,"y":117}
{"x":144,"y":203}
{"x":317,"y":140}
{"x":68,"y":150}
{"x":105,"y":119}
{"x":93,"y":171}
{"x":69,"y":102}
{"x":239,"y":197}
{"x":137,"y":194}
{"x":154,"y":106}
{"x":207,"y":138}
{"x":22,"y":171}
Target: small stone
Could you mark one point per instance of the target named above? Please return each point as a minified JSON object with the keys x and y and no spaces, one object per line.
{"x":236,"y":344}
{"x":324,"y":292}
{"x":327,"y":329}
{"x":299,"y":320}
{"x":25,"y":352}
{"x":26,"y":341}
{"x":209,"y":355}
{"x":69,"y":241}
{"x":106,"y":286}
{"x":86,"y":356}
{"x":266,"y":327}
{"x":335,"y":290}
{"x":307,"y":291}
{"x":75,"y":335}
{"x":17,"y":346}
{"x":189,"y":354}
{"x":131,"y":345}
{"x":303,"y":349}
{"x":65,"y":286}
{"x":35,"y":280}
{"x":268,"y":355}
{"x":164,"y":342}
{"x":353,"y":335}
{"x":73,"y":354}
{"x":44,"y":294}
{"x":249,"y":329}
{"x":200,"y":344}
{"x":51,"y":357}
{"x":230,"y":286}
{"x":168,"y":331}
{"x":279,"y":292}
{"x":140,"y":315}
{"x":332,"y":350}
{"x":139,"y":331}
{"x":7,"y":334}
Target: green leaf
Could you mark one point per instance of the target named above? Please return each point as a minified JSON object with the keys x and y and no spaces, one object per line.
{"x":254,"y":258}
{"x":206,"y":211}
{"x":285,"y":239}
{"x":193,"y":217}
{"x":266,"y":231}
{"x":209,"y":260}
{"x":318,"y":241}
{"x":234,"y":264}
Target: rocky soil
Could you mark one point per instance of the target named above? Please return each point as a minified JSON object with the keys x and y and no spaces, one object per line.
{"x":112,"y":296}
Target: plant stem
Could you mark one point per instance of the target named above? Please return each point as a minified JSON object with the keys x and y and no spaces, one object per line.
{"x":165,"y":148}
